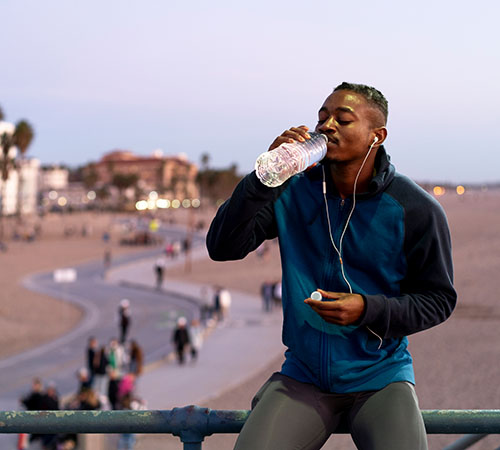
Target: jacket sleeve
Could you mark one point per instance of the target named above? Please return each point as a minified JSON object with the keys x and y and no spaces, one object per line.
{"x":427,"y":294}
{"x":244,"y":221}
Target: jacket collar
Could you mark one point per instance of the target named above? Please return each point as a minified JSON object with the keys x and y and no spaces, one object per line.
{"x":384,"y":174}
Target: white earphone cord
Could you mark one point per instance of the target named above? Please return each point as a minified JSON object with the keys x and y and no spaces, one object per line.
{"x":339,"y":250}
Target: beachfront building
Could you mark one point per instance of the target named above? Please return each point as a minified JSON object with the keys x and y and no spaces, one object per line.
{"x":53,"y":178}
{"x":26,"y":191}
{"x":172,"y":176}
{"x":21,"y":184}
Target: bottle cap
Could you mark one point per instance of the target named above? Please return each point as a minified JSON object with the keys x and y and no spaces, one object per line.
{"x":316,"y":295}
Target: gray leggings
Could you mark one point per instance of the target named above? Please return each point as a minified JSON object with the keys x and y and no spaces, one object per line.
{"x":290,"y":415}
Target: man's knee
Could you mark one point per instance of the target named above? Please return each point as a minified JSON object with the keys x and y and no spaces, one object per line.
{"x":390,"y":419}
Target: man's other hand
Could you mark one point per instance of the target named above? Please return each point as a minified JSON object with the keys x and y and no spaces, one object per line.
{"x":339,"y":308}
{"x":299,"y":134}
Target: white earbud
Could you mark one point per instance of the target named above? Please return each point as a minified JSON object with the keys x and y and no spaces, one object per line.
{"x":375,"y":140}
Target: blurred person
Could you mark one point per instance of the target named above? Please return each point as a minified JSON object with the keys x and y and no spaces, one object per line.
{"x":40,"y":400}
{"x":126,"y":441}
{"x":377,"y":248}
{"x":88,"y":400}
{"x":100,"y":371}
{"x":126,"y":385}
{"x":33,"y":401}
{"x":181,"y":339}
{"x":277,"y":294}
{"x":217,"y":308}
{"x":136,"y":358}
{"x":176,"y":248}
{"x":266,"y":292}
{"x":83,"y":376}
{"x":113,"y":384}
{"x":225,"y":302}
{"x":116,"y":355}
{"x":92,"y":357}
{"x":124,"y":319}
{"x":106,"y":262}
{"x":195,"y":332}
{"x":205,"y":306}
{"x":160,"y":271}
{"x":50,"y":400}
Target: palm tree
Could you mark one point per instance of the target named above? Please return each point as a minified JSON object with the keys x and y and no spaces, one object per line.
{"x":202,"y":176}
{"x":123,"y":181}
{"x":23,"y":135}
{"x":205,"y":159}
{"x":6,"y":163}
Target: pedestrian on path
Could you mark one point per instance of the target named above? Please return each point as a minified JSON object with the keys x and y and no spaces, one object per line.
{"x":116,"y":356}
{"x":92,"y":357}
{"x":266,"y":292}
{"x":124,"y":319}
{"x":136,"y":358}
{"x":106,"y":262}
{"x":100,"y":373}
{"x":225,"y":302}
{"x":195,"y":338}
{"x":160,"y":271}
{"x":181,"y":339}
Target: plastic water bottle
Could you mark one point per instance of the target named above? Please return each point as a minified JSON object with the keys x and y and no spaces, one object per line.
{"x":273,"y":168}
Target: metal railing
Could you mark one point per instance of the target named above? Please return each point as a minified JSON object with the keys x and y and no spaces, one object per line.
{"x":193,"y":423}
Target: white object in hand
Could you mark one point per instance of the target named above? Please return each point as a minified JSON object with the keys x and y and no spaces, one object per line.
{"x":273,"y":168}
{"x":316,"y":295}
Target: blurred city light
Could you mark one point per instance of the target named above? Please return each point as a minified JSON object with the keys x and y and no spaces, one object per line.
{"x":195,"y":203}
{"x":176,"y":203}
{"x":141,"y":205}
{"x":153,"y":195}
{"x":52,"y":195}
{"x":61,"y":201}
{"x":438,"y":191}
{"x":186,"y":203}
{"x":91,"y":195}
{"x":162,"y":203}
{"x":460,"y":190}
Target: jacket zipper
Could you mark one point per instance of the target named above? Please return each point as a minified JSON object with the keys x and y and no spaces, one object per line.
{"x":324,"y":342}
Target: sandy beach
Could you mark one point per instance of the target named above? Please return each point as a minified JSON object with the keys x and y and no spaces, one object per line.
{"x":453,"y":362}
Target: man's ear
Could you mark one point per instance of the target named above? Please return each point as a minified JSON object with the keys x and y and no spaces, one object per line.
{"x":380,"y":134}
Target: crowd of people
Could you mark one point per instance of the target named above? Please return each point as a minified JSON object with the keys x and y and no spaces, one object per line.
{"x":108,"y":381}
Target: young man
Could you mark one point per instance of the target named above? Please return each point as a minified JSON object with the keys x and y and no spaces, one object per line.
{"x":377,"y":247}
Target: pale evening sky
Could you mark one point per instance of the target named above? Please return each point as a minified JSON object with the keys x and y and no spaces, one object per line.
{"x":227,"y":77}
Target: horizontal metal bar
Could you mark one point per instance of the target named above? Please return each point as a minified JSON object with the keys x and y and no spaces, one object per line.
{"x":462,"y":421}
{"x":465,"y":442}
{"x":191,"y":422}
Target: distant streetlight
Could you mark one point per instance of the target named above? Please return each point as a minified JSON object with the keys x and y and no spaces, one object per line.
{"x":438,"y":191}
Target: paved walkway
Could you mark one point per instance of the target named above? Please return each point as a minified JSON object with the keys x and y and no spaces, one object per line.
{"x":232,"y":352}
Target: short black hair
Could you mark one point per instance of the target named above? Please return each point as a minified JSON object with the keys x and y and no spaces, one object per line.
{"x":371,"y":95}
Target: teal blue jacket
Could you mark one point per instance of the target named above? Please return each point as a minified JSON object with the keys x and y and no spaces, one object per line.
{"x":396,"y":253}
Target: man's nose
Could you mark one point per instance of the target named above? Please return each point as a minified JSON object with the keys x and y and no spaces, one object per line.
{"x":327,"y":125}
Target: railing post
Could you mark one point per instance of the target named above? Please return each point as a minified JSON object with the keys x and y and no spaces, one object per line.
{"x":192,"y":445}
{"x":191,"y":425}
